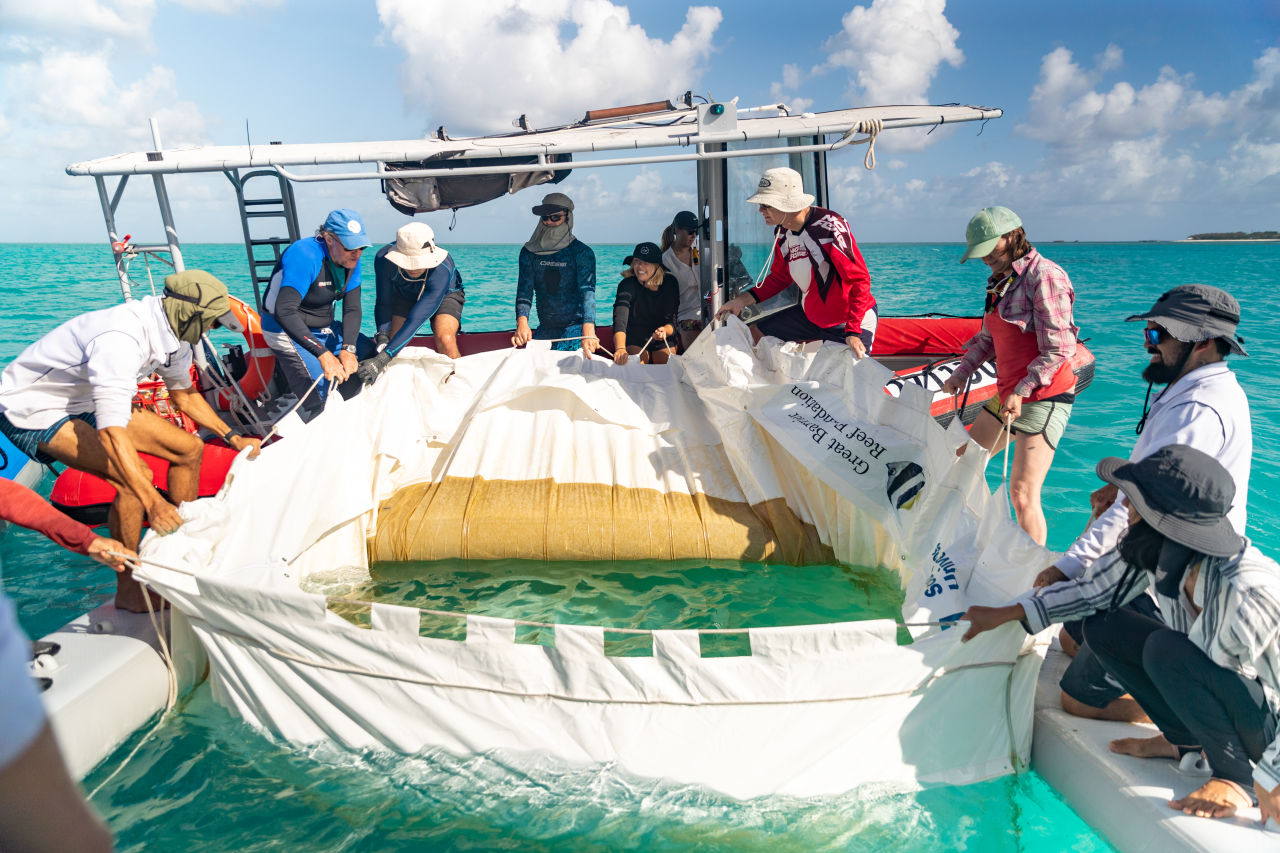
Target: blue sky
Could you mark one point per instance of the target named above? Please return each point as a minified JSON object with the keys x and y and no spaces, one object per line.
{"x":1122,"y":120}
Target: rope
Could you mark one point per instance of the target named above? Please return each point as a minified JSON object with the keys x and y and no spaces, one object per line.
{"x":872,"y":128}
{"x":1007,"y":432}
{"x":599,"y":345}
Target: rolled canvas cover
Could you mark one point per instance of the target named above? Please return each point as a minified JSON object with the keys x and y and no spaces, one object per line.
{"x":782,"y":453}
{"x":451,"y":192}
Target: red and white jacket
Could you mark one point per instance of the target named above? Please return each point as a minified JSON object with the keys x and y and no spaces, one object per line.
{"x":839,"y":287}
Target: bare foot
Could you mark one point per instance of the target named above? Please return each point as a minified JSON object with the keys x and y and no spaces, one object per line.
{"x":1144,"y":747}
{"x":129,"y":595}
{"x":1215,"y":798}
{"x":1068,"y":643}
{"x":1125,"y":709}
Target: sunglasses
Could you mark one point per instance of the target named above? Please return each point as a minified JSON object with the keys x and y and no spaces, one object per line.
{"x":555,"y":217}
{"x":1153,"y":337}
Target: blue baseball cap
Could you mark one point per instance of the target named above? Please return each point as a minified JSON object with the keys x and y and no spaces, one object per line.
{"x":347,"y":227}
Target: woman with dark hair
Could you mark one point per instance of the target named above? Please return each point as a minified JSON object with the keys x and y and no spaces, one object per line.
{"x":1206,"y":669}
{"x":680,"y":257}
{"x":1027,"y":326}
{"x":644,"y":313}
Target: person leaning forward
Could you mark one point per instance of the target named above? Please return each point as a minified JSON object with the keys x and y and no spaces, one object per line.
{"x":1206,"y":667}
{"x":1189,"y":332}
{"x":815,"y":250}
{"x":68,"y":398}
{"x":558,"y":277}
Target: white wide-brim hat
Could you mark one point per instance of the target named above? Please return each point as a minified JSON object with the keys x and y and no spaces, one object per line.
{"x":416,"y":248}
{"x":782,"y":189}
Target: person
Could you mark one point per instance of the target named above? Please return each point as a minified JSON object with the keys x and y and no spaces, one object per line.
{"x":815,"y":250}
{"x":1189,"y":332}
{"x":68,"y":398}
{"x":1207,"y":667}
{"x":311,"y":276}
{"x":646,"y":308}
{"x":41,"y":807}
{"x":416,"y":279}
{"x":680,"y":257}
{"x":558,"y":274}
{"x":1027,"y":326}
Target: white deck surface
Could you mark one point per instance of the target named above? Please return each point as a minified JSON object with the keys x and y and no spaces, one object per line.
{"x":1126,"y":799}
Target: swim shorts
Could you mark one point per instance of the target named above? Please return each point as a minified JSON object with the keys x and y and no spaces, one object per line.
{"x":1039,"y":417}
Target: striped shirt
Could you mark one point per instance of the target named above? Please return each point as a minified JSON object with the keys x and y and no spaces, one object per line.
{"x":1239,"y":627}
{"x":1039,"y":299}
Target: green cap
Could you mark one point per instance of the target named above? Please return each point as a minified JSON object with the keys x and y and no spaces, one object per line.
{"x":985,"y":230}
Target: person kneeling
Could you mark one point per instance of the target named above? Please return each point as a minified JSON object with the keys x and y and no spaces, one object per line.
{"x":646,"y":308}
{"x":1207,"y":669}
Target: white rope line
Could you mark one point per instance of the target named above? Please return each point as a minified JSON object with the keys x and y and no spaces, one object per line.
{"x":872,"y":128}
{"x":562,"y":697}
{"x":1007,"y":433}
{"x":599,"y":345}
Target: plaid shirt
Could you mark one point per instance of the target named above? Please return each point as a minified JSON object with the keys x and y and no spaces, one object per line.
{"x":1238,"y":629}
{"x":1039,"y":298}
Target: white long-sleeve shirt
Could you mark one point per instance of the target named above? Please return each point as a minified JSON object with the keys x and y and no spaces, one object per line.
{"x":93,"y":363}
{"x":1206,"y":409}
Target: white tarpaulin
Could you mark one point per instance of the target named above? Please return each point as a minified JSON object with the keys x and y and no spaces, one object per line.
{"x":781,"y":454}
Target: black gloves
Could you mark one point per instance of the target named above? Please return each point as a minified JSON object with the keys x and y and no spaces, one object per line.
{"x":380,"y":341}
{"x":371,"y":368}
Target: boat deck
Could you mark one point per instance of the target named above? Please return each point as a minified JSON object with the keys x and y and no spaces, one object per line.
{"x":1125,"y":799}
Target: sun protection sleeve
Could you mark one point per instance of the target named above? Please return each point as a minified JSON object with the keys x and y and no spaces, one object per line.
{"x":524,"y":285}
{"x":290,"y":320}
{"x":1075,"y":599}
{"x":351,"y":316}
{"x":585,"y":266}
{"x":25,"y":508}
{"x":622,"y":304}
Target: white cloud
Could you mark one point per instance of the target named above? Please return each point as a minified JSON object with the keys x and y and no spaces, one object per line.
{"x":228,"y":7}
{"x":893,"y":49}
{"x":475,"y":66}
{"x":126,"y":19}
{"x":784,"y":92}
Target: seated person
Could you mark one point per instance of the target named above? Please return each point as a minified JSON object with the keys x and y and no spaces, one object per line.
{"x":311,"y":276}
{"x":645,"y":311}
{"x":1206,"y":669}
{"x":813,"y":249}
{"x":680,"y":257}
{"x":416,"y":279}
{"x":558,"y":275}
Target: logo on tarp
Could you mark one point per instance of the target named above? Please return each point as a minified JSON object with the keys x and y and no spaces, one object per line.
{"x":906,"y":482}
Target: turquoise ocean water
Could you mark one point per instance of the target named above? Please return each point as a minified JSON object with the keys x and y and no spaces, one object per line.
{"x":207,"y":781}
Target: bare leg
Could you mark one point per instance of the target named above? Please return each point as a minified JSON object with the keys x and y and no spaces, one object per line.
{"x":1124,"y":709}
{"x":42,"y":807}
{"x":660,"y":356}
{"x":1031,"y":461}
{"x":445,"y":329}
{"x":987,"y":432}
{"x":1068,"y":643}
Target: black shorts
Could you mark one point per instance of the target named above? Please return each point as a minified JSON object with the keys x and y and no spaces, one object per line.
{"x":792,"y":324}
{"x":450,"y":305}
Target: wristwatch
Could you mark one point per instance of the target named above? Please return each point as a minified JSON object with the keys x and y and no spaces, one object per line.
{"x":351,"y":348}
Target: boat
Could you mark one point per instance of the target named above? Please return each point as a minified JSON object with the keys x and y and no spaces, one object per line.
{"x":217,"y":582}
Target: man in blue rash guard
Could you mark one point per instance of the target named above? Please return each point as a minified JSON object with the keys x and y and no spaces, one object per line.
{"x":558,"y":273}
{"x":312,"y":275}
{"x":416,"y":279}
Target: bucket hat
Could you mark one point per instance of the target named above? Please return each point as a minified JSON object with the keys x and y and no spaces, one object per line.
{"x":415,"y":248}
{"x":645,"y":252}
{"x":782,"y":189}
{"x":553,"y":203}
{"x":1181,"y":492}
{"x":347,"y":226}
{"x":1197,"y":312}
{"x":985,"y":230}
{"x":195,"y":301}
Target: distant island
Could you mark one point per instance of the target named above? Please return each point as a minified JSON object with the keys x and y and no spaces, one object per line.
{"x":1237,"y":235}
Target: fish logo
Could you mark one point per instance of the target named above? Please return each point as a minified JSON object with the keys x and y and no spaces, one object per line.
{"x":906,"y":482}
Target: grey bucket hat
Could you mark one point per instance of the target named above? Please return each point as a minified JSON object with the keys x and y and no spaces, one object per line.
{"x":1197,"y":312}
{"x":1181,"y":492}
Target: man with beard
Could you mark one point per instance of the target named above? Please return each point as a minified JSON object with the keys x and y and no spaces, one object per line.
{"x":1190,"y":330}
{"x":1207,"y":665}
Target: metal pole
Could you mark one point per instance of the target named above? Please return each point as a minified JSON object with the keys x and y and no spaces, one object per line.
{"x":109,"y":217}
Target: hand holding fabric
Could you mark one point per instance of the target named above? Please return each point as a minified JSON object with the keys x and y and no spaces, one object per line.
{"x":371,"y":368}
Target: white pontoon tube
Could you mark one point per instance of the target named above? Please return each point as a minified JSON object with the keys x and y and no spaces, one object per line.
{"x":779,"y":454}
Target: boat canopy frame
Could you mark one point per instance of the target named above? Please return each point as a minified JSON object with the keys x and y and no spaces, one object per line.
{"x":709,"y":134}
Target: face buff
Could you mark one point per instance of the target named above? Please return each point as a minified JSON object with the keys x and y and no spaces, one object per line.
{"x":193,"y":302}
{"x":549,"y":239}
